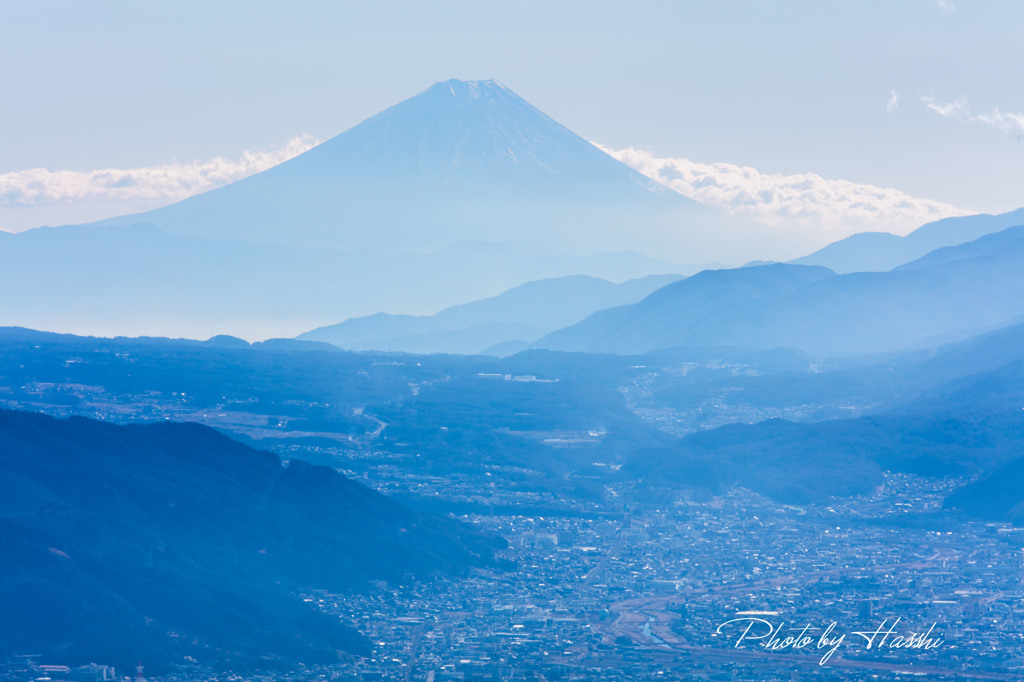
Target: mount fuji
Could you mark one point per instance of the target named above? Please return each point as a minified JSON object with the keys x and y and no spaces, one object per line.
{"x":453,"y":195}
{"x":462,"y":161}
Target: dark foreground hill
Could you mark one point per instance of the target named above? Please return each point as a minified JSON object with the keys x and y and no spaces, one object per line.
{"x":155,"y":542}
{"x":800,"y":463}
{"x":996,"y":496}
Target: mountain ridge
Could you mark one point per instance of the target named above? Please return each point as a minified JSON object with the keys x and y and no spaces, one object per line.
{"x":521,"y":314}
{"x":167,"y":540}
{"x":971,"y":288}
{"x":881,"y":251}
{"x":466,"y":186}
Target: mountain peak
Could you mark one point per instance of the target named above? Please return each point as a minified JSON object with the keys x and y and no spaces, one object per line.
{"x":470,"y":132}
{"x":459,"y":161}
{"x":474,"y":89}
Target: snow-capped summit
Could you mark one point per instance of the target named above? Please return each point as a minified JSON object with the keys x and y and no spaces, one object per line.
{"x":462,"y":160}
{"x":471,"y":132}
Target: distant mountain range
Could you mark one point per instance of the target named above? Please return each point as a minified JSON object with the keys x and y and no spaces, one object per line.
{"x":454,"y":195}
{"x":958,"y":414}
{"x":563,"y":423}
{"x":513,"y":320}
{"x":111,"y":281}
{"x":881,"y":251}
{"x":156,"y":542}
{"x":159,"y":538}
{"x":951,"y":293}
{"x":499,"y":325}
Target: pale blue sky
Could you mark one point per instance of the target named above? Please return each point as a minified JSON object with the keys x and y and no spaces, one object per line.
{"x":785,"y":86}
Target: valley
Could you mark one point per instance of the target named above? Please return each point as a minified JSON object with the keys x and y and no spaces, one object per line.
{"x":456,"y":394}
{"x":619,"y":565}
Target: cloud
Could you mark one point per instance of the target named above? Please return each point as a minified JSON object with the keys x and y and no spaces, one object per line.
{"x":946,"y":6}
{"x":172,"y":181}
{"x":894,"y":102}
{"x":1007,"y":123}
{"x":959,"y":109}
{"x":806,"y":204}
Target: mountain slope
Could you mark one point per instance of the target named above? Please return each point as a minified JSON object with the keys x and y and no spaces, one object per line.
{"x":881,"y":251}
{"x":981,"y":288}
{"x":523,"y":313}
{"x":156,"y":542}
{"x":984,"y":246}
{"x":996,"y":496}
{"x":957,"y":412}
{"x":461,"y":161}
{"x":683,"y":313}
{"x":797,"y":463}
{"x":454,"y":195}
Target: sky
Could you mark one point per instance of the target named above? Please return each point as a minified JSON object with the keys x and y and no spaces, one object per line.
{"x":836,"y":116}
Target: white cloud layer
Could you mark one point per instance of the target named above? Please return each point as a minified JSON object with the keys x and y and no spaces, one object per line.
{"x":172,"y":181}
{"x":806,"y":205}
{"x":1002,"y":122}
{"x":894,"y":102}
{"x":946,"y":6}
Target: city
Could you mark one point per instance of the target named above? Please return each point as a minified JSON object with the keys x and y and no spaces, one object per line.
{"x":642,"y":593}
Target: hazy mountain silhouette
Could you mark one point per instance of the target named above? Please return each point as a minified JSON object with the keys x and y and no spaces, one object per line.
{"x":881,"y":251}
{"x":111,"y":281}
{"x":523,"y":313}
{"x":683,"y":313}
{"x":958,"y":413}
{"x":981,"y":376}
{"x":462,"y":160}
{"x":456,"y":194}
{"x":954,"y":293}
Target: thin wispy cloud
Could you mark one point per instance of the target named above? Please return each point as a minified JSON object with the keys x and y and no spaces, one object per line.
{"x":959,"y":109}
{"x":172,"y":181}
{"x":805,"y":204}
{"x":946,"y":6}
{"x":894,"y":102}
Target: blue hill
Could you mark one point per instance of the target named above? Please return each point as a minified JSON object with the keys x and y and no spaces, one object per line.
{"x":881,"y":251}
